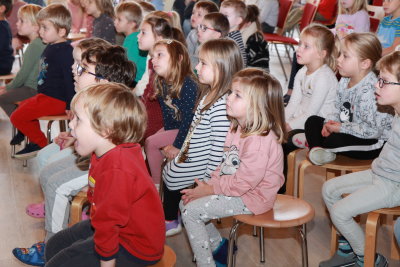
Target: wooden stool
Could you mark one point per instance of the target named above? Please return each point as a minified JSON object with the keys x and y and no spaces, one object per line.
{"x":76,"y":207}
{"x":168,"y":259}
{"x":333,"y":169}
{"x":62,"y":119}
{"x":288,"y":211}
{"x":7,"y":78}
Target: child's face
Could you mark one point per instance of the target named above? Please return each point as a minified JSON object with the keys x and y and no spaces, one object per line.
{"x":49,"y":33}
{"x":161,"y":61}
{"x":391,"y":6}
{"x":205,"y":70}
{"x":86,"y":77}
{"x":91,"y":8}
{"x":87,"y":140}
{"x":146,"y":38}
{"x":206,"y":32}
{"x":349,"y":64}
{"x":236,"y":104}
{"x":25,"y":27}
{"x":347,"y":3}
{"x":307,"y":52}
{"x":233,"y":18}
{"x":197,"y":16}
{"x":123,"y":25}
{"x":389,"y":94}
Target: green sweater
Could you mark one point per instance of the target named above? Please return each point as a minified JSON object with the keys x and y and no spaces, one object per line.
{"x":134,"y":54}
{"x":28,"y":74}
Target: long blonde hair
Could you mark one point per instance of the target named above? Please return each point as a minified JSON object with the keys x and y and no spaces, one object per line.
{"x":265,"y":110}
{"x":357,"y":6}
{"x":225,"y":57}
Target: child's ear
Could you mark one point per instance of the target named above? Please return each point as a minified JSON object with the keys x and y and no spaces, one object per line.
{"x":323,"y":53}
{"x":366,"y":64}
{"x":62,"y":32}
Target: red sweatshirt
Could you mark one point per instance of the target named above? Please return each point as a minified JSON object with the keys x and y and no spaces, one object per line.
{"x":125,"y":207}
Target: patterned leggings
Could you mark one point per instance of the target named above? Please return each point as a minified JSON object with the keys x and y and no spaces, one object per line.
{"x":204,"y":238}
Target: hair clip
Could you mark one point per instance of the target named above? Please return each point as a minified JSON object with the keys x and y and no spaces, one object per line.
{"x":169,"y":13}
{"x":169,"y":41}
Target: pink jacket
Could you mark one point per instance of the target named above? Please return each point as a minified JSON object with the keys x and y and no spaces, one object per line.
{"x":252,"y":168}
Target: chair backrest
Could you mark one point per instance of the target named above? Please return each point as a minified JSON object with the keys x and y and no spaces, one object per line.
{"x":375,"y":12}
{"x":373,"y":24}
{"x":309,"y":11}
{"x":284,"y":8}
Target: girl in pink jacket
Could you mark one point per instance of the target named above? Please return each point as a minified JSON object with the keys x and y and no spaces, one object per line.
{"x":251,"y":172}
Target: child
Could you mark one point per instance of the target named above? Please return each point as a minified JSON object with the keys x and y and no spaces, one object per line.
{"x":114,"y":235}
{"x":200,"y":9}
{"x":103,"y":24}
{"x":24,"y":85}
{"x":77,"y":15}
{"x":372,"y":189}
{"x":269,"y":11}
{"x":355,"y":128}
{"x":235,"y":12}
{"x":389,"y":28}
{"x":315,"y":83}
{"x":6,"y":50}
{"x":55,"y":83}
{"x":213,"y":26}
{"x":352,"y":17}
{"x":176,"y":89}
{"x":152,"y":29}
{"x":247,"y":180}
{"x":256,"y":47}
{"x":127,"y":21}
{"x":202,"y":149}
{"x":62,"y":173}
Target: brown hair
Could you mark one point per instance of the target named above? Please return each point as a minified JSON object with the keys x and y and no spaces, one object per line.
{"x":132,"y":12}
{"x":391,"y":64}
{"x":366,"y":46}
{"x":225,"y":57}
{"x":92,"y":42}
{"x":252,"y":16}
{"x":146,"y":7}
{"x":219,"y":22}
{"x":325,"y":41}
{"x":29,"y":12}
{"x":172,"y":17}
{"x":105,"y":7}
{"x":114,"y":111}
{"x":159,"y":26}
{"x":238,"y":5}
{"x":58,"y":15}
{"x":207,"y":6}
{"x":265,"y":110}
{"x":357,"y":6}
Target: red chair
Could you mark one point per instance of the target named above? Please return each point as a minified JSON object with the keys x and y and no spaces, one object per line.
{"x":309,"y":11}
{"x":376,"y":13}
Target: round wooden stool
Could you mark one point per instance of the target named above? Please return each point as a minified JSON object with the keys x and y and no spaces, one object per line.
{"x":287,"y":212}
{"x":168,"y":259}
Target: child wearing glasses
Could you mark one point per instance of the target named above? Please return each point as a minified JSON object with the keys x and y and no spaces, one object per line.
{"x":372,"y":189}
{"x":62,"y":173}
{"x":55,"y":83}
{"x":200,"y":9}
{"x":356,"y":127}
{"x":213,"y":26}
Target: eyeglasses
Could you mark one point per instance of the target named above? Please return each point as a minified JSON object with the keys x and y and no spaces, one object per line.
{"x":203,"y":28}
{"x":382,"y":82}
{"x":80,"y":69}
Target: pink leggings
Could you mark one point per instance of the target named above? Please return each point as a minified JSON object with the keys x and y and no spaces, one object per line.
{"x":153,"y":146}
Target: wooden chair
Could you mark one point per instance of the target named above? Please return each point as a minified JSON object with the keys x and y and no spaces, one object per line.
{"x":77,"y":205}
{"x":62,"y":120}
{"x":168,"y":259}
{"x":287,"y":212}
{"x":335,"y":168}
{"x":6,"y":78}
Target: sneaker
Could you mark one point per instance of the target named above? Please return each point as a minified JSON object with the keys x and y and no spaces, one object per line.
{"x":340,"y":260}
{"x":300,"y":140}
{"x":31,"y":256}
{"x":320,"y":156}
{"x":173,"y":227}
{"x":17,"y":139}
{"x":29,"y":151}
{"x":380,"y":261}
{"x":220,"y":255}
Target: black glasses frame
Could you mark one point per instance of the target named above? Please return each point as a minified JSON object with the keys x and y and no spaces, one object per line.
{"x":382,"y":82}
{"x":80,"y":70}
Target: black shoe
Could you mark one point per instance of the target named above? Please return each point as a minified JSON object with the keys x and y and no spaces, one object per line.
{"x":286,"y":99}
{"x":29,"y":151}
{"x":17,"y":139}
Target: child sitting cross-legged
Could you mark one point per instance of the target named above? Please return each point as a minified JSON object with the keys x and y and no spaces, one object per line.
{"x":372,"y":189}
{"x":251,"y":172}
{"x":109,"y":121}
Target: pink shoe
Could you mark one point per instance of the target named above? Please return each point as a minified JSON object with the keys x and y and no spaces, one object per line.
{"x":85,"y":215}
{"x":36,"y":210}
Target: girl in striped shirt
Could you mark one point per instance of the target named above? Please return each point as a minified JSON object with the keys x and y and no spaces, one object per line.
{"x":202,"y":149}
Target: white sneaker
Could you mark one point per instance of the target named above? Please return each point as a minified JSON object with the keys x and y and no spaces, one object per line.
{"x":173,"y":228}
{"x":320,"y":156}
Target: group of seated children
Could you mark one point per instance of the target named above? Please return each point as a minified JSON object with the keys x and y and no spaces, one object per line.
{"x":221,"y":129}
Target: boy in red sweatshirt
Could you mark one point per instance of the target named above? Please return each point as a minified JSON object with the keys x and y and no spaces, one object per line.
{"x":126,"y":226}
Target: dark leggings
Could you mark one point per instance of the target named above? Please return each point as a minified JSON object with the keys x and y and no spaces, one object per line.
{"x":313,"y":128}
{"x":171,"y":203}
{"x":74,"y":246}
{"x":295,"y":68}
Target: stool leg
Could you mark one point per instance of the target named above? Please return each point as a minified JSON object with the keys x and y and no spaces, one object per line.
{"x":304,"y":249}
{"x":254,"y":230}
{"x":49,"y":131}
{"x":262,"y":247}
{"x":370,"y":238}
{"x":232,"y":238}
{"x":63,"y":126}
{"x":13,"y":133}
{"x":302,"y":169}
{"x":291,"y":172}
{"x":334,"y":240}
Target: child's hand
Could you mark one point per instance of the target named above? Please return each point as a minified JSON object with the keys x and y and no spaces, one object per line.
{"x":170,"y":152}
{"x":288,"y":128}
{"x":64,"y":140}
{"x":203,"y":189}
{"x":333,"y":126}
{"x":325,"y":132}
{"x":2,"y":90}
{"x":69,"y":113}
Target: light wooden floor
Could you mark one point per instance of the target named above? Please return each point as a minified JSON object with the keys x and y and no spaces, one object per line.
{"x":19,"y":187}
